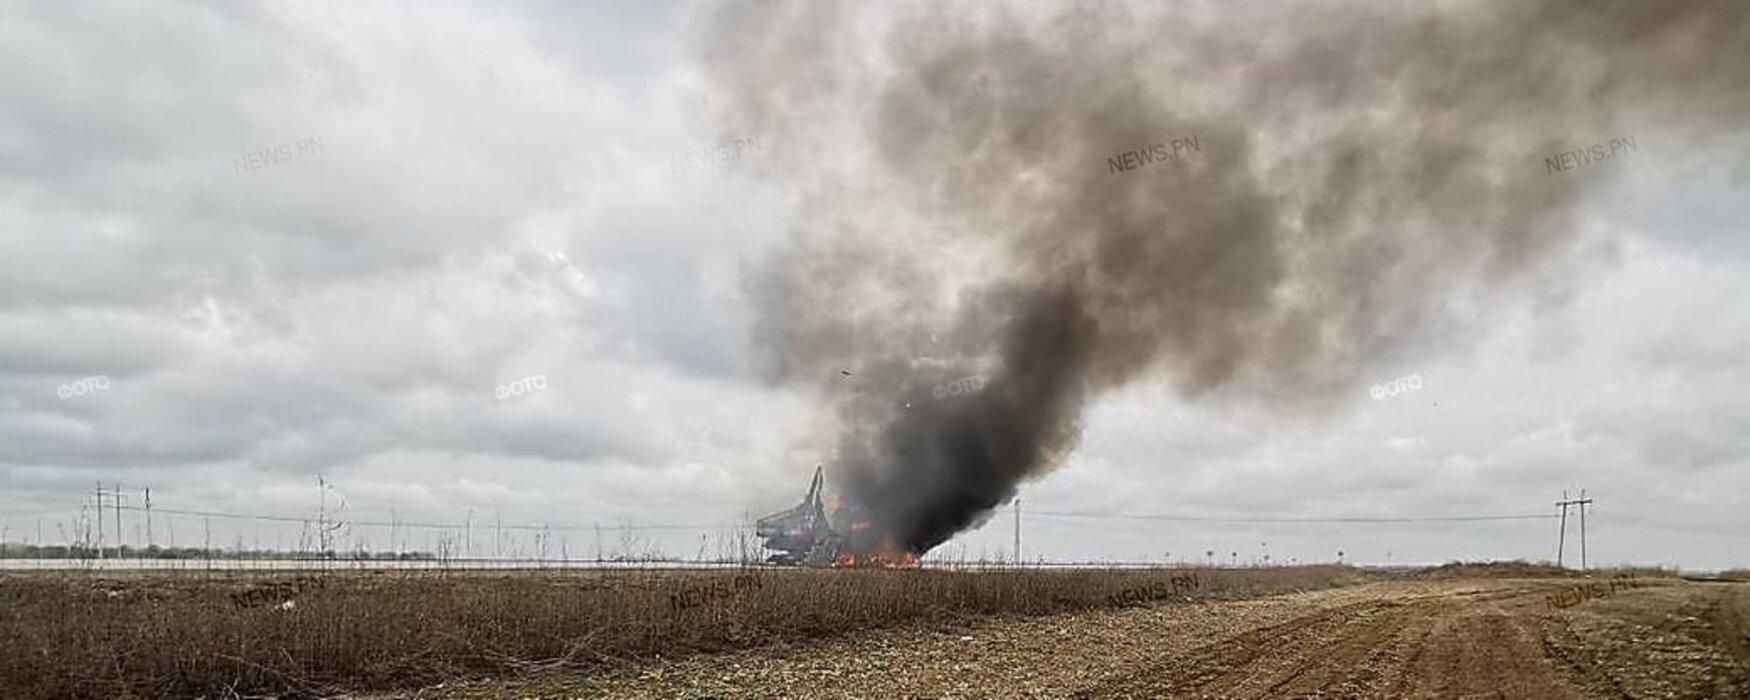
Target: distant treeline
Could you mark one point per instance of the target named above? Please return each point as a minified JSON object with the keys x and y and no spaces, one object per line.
{"x":31,"y":551}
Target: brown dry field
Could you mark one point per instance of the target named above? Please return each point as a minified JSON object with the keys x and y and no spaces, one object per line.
{"x":168,"y":634}
{"x":1432,"y":637}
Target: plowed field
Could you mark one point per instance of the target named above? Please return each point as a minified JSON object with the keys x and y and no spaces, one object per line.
{"x":1448,"y":639}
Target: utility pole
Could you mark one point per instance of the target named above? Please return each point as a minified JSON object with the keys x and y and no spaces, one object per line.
{"x":120,"y":539}
{"x":1562,"y":529}
{"x":325,"y":531}
{"x":1561,"y":537}
{"x":1017,"y":531}
{"x":97,"y":497}
{"x":148,"y":516}
{"x":321,"y":515}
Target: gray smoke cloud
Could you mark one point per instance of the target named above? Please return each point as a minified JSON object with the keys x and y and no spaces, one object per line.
{"x":1329,"y":176}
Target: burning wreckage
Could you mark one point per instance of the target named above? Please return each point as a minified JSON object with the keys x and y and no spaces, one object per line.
{"x":804,"y":536}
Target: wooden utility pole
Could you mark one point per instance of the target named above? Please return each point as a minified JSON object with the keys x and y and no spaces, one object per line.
{"x":1017,"y":531}
{"x":1561,"y":537}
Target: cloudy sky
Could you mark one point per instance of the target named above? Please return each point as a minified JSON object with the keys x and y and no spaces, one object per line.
{"x":244,"y":245}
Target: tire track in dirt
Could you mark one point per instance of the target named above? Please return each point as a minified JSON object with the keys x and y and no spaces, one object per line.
{"x":1212,"y":666}
{"x":1364,"y":659}
{"x":1667,"y":641}
{"x":1376,"y":648}
{"x":1488,"y":649}
{"x":1554,"y":648}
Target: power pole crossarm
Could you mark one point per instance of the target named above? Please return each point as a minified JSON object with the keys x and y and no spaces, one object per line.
{"x":1581,"y":502}
{"x":120,"y":540}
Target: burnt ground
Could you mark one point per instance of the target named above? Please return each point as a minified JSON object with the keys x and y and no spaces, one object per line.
{"x":1436,"y":638}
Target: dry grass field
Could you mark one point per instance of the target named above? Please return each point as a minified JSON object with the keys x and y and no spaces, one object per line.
{"x":187,"y":634}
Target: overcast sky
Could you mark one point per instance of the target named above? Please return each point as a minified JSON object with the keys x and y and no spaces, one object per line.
{"x":470,"y":195}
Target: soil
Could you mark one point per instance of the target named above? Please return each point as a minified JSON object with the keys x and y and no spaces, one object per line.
{"x":1470,"y":638}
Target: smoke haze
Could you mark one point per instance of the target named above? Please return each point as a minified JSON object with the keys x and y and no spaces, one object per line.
{"x":1357,"y":168}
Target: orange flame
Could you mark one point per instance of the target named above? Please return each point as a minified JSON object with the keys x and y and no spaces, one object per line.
{"x":885,"y":556}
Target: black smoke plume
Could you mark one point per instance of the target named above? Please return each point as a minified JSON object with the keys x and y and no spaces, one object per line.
{"x":964,"y":207}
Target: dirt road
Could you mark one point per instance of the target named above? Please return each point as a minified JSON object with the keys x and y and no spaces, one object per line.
{"x":1449,"y":639}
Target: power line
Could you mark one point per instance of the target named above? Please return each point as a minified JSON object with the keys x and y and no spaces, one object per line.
{"x":1038,"y":513}
{"x":45,"y":511}
{"x":432,"y":526}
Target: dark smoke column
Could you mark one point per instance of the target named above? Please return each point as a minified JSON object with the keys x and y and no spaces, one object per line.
{"x":1259,"y":203}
